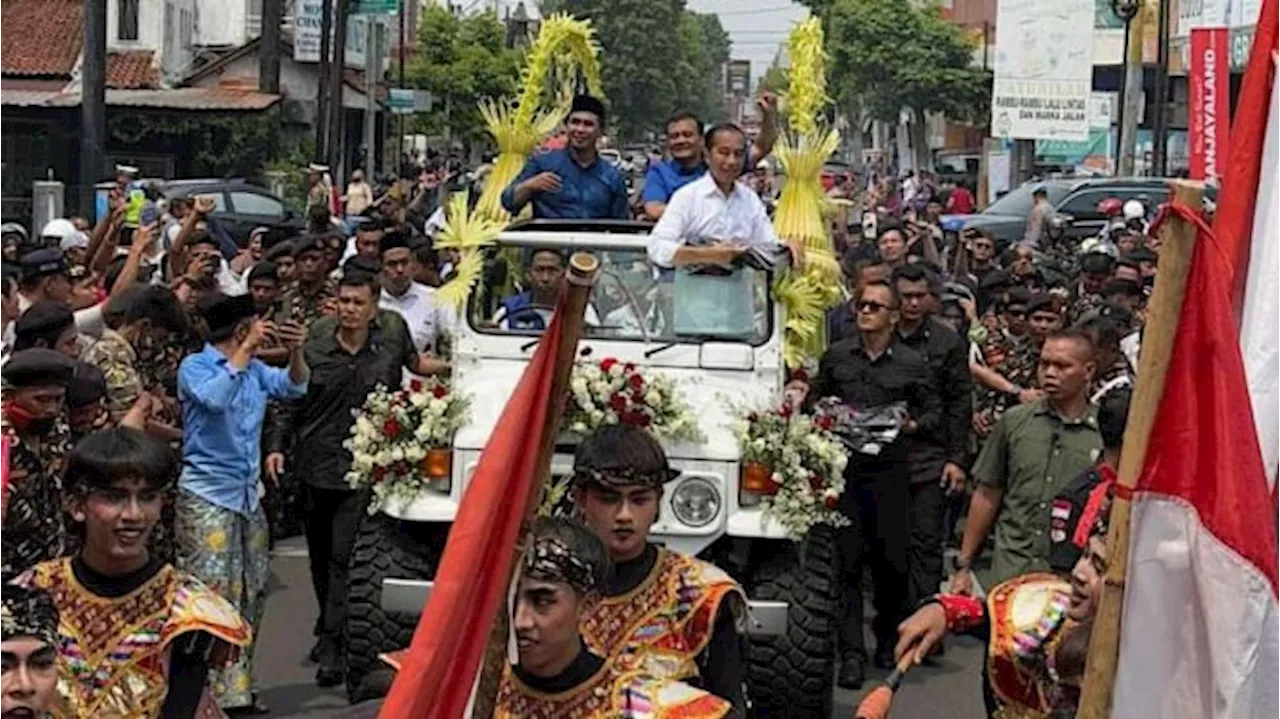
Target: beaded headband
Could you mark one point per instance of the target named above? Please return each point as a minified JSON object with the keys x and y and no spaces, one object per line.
{"x":550,"y":560}
{"x":625,"y":477}
{"x":28,"y":613}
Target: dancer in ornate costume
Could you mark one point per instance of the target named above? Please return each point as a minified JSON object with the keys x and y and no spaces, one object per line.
{"x":138,"y":637}
{"x":29,"y":642}
{"x":674,"y":615}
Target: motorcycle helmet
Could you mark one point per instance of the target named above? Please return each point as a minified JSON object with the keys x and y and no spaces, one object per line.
{"x":1134,"y":210}
{"x":1110,"y":207}
{"x":59,"y":230}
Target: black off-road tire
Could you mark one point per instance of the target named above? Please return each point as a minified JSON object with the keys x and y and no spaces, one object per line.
{"x":792,"y":676}
{"x":385,"y":547}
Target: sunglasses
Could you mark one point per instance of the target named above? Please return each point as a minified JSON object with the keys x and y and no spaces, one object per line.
{"x":872,"y":306}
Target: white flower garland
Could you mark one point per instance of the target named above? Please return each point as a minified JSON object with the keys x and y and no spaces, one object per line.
{"x":393,"y":433}
{"x":806,"y":462}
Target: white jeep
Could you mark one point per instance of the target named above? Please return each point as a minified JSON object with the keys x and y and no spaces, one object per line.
{"x":633,"y":315}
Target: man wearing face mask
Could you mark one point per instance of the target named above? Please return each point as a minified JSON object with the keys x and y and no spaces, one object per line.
{"x":573,"y":182}
{"x":34,"y":424}
{"x":29,"y":641}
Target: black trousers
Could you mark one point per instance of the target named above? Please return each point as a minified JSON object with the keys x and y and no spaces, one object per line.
{"x":331,"y":518}
{"x":875,"y":500}
{"x":926,"y":505}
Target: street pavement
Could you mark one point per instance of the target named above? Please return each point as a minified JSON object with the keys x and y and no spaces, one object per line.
{"x":287,"y":680}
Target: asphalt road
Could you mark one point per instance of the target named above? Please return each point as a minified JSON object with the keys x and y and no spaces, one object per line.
{"x":286,"y":679}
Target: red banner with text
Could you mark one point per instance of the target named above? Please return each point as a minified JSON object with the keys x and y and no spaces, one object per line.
{"x":1209,"y":115}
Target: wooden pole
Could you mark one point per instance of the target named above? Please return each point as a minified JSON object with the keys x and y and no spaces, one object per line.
{"x":1178,"y":240}
{"x":578,"y":281}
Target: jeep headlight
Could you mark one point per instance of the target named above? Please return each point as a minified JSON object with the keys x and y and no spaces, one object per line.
{"x":696,"y":502}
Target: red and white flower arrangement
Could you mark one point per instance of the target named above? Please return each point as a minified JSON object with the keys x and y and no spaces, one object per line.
{"x":799,"y":464}
{"x":397,"y":432}
{"x":614,"y":392}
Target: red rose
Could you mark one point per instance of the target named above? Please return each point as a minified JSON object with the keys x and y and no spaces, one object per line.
{"x":637,"y":382}
{"x":785,"y":411}
{"x":415,"y":385}
{"x":379,"y":474}
{"x":391,"y":428}
{"x":800,"y":376}
{"x":629,"y":367}
{"x":831,"y":503}
{"x":401,"y":467}
{"x":815,"y":481}
{"x":824,"y":422}
{"x":642,"y":419}
{"x":439,"y":391}
{"x":607,"y":363}
{"x":618,"y":402}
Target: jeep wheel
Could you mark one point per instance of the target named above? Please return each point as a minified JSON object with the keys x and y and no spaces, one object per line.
{"x":385,"y":547}
{"x":793,"y":674}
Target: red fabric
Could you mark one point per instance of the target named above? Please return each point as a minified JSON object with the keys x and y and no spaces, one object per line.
{"x":963,"y":613}
{"x":960,"y":202}
{"x":440,"y":667}
{"x":1089,"y":515}
{"x":1203,"y":446}
{"x":1233,"y":222}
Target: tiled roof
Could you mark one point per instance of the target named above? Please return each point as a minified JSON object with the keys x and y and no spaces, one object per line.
{"x":40,"y":37}
{"x":183,"y":98}
{"x":132,"y":70}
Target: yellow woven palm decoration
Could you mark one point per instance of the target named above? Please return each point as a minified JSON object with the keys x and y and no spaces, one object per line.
{"x":802,"y":151}
{"x":564,"y":50}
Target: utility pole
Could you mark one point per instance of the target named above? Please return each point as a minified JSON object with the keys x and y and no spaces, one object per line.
{"x":1160,"y":136}
{"x":372,"y":69}
{"x":322,"y":87}
{"x":1132,"y":100}
{"x":93,"y":101}
{"x":336,"y":110}
{"x":404,"y":10}
{"x":269,"y":48}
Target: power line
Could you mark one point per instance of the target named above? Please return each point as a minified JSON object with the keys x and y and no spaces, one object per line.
{"x":778,"y":8}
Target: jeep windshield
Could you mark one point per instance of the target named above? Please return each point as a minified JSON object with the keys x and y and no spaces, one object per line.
{"x":632,"y":299}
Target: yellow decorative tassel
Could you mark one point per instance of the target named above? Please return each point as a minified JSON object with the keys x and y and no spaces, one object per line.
{"x":802,"y":153}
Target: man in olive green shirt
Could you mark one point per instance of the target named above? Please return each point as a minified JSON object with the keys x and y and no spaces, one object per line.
{"x":1033,"y":452}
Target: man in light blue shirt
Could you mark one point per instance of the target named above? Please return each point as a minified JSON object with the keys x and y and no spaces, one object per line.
{"x":221,"y":527}
{"x":573,"y":182}
{"x":688,"y":160}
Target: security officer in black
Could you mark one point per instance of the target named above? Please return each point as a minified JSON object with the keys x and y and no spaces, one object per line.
{"x":872,"y":369}
{"x":935,"y":461}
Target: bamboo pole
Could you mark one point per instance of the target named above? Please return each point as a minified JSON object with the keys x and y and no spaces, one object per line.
{"x":1178,"y":240}
{"x":578,"y":283}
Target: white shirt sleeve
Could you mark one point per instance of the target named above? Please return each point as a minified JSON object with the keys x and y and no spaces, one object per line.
{"x":668,"y":234}
{"x":762,"y":234}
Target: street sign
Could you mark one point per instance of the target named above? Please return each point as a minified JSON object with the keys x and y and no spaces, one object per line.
{"x":402,"y":101}
{"x":377,"y":7}
{"x":1044,"y":69}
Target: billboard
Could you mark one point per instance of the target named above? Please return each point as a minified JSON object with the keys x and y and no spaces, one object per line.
{"x":307,"y":19}
{"x":1043,"y":69}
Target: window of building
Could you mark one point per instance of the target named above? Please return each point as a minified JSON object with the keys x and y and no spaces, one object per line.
{"x":127,"y":22}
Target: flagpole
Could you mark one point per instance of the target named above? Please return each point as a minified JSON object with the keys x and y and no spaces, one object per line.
{"x":578,"y":282}
{"x":1177,"y":245}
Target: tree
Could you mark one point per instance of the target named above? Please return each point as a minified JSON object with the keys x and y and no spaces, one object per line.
{"x":648,"y":70}
{"x":887,"y":55}
{"x":776,"y":78}
{"x":461,"y":60}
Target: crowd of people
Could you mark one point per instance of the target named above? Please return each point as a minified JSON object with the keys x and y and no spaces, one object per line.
{"x":161,"y":380}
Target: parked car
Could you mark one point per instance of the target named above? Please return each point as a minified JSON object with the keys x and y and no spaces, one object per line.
{"x":1076,"y":199}
{"x":240,"y":206}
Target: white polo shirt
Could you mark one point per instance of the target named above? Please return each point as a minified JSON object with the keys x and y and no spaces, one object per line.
{"x":426,"y":317}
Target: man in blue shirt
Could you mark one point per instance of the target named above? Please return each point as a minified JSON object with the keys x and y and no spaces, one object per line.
{"x":688,"y":155}
{"x":221,"y":528}
{"x":573,"y":182}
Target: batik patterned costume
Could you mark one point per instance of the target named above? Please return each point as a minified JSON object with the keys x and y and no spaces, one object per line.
{"x":34,"y":522}
{"x":114,"y":654}
{"x":662,"y":625}
{"x":611,"y":693}
{"x":1027,"y":619}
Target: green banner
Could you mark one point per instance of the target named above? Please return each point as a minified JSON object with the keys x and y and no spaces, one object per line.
{"x":377,"y":7}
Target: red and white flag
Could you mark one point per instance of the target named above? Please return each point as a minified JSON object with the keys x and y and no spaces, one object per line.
{"x":1199,"y":634}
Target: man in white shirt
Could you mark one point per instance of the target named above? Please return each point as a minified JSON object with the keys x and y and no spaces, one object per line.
{"x":714,"y":220}
{"x":428,"y":319}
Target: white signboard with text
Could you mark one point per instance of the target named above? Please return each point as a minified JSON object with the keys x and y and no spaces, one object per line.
{"x":307,"y":18}
{"x":1043,"y":69}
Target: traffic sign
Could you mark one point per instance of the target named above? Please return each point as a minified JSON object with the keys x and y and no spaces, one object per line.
{"x":377,"y":7}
